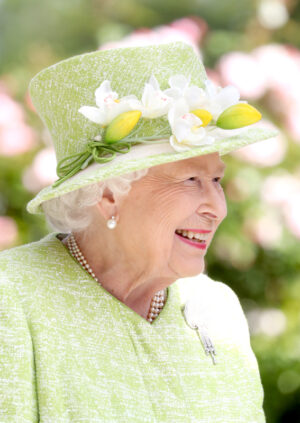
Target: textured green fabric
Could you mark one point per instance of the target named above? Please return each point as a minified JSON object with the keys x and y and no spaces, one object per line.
{"x":59,"y":91}
{"x":71,"y":352}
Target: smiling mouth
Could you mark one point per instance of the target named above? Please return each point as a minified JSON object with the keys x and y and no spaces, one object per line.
{"x":201,"y":237}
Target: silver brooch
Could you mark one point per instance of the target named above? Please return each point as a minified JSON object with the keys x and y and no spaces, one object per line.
{"x":195,"y":322}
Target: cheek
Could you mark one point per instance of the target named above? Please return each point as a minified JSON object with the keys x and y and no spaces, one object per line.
{"x":223,"y":206}
{"x":150,"y":221}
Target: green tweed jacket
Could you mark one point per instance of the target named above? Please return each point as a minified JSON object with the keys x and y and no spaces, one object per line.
{"x":71,"y":352}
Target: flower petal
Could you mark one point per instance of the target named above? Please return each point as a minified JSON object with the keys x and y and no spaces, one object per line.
{"x":196,"y":97}
{"x":154,"y":83}
{"x":104,"y":93}
{"x":92,"y":113}
{"x":181,"y":130}
{"x":173,"y":93}
{"x":147,"y":95}
{"x":155,"y":103}
{"x":204,"y":115}
{"x":210,"y":88}
{"x":228,"y":97}
{"x":180,"y":82}
{"x":178,"y":109}
{"x":112,"y":110}
{"x":177,"y":146}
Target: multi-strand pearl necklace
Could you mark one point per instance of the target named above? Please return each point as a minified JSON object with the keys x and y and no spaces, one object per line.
{"x":77,"y":254}
{"x":157,"y":302}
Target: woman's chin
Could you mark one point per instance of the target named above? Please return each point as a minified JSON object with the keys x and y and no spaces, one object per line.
{"x":191,"y":269}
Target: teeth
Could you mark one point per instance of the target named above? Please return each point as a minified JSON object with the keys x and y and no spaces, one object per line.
{"x":190,"y":235}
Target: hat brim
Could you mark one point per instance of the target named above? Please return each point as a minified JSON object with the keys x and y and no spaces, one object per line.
{"x":144,"y":156}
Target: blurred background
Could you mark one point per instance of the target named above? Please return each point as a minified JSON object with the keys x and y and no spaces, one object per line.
{"x":252,"y":44}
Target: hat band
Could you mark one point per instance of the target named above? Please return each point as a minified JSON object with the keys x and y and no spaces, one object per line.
{"x":99,"y":152}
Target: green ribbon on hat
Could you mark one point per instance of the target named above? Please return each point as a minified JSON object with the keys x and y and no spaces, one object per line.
{"x":100,"y":152}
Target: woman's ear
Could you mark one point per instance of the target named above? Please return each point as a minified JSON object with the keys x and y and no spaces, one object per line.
{"x":108,"y":205}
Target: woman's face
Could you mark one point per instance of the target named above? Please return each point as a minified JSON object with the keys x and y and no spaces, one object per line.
{"x":184,"y":195}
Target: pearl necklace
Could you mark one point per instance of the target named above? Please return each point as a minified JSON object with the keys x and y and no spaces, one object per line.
{"x":157,"y":302}
{"x":77,"y":254}
{"x":156,"y":306}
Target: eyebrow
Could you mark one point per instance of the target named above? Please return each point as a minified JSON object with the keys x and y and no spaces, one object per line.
{"x":220,"y":168}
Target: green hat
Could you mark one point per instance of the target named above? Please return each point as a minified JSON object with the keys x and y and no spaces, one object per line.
{"x":115,"y":111}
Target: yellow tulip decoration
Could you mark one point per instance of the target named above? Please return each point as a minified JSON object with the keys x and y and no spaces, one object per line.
{"x":121,"y":126}
{"x":238,"y":116}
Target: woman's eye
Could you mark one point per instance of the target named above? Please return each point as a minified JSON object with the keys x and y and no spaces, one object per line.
{"x":195,"y":179}
{"x":218,"y":180}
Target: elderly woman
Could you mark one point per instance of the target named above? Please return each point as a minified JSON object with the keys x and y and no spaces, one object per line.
{"x":110,"y":318}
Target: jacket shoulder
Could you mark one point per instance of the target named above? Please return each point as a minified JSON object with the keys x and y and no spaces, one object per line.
{"x":217,"y":305}
{"x":21,"y":258}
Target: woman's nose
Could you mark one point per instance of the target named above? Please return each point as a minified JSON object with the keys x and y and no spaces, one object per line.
{"x":212,"y":203}
{"x":210,"y":216}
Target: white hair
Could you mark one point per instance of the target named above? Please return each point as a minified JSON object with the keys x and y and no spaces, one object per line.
{"x":69,"y":212}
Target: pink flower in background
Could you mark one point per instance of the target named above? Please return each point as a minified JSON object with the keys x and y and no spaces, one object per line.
{"x":269,"y":152}
{"x":10,"y":110}
{"x":279,"y":188}
{"x":265,"y":230}
{"x":194,"y":27}
{"x":15,"y":136}
{"x":292,"y":121}
{"x":244,"y":72}
{"x":283,"y":191}
{"x":42,"y":172}
{"x":16,"y":139}
{"x":273,"y":69}
{"x":280,"y":65}
{"x":8,"y":232}
{"x":189,"y":30}
{"x":291,"y":212}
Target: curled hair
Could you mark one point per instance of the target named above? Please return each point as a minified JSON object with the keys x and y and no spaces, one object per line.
{"x":69,"y":212}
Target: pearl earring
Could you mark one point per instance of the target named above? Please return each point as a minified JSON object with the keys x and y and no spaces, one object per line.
{"x":111,"y":223}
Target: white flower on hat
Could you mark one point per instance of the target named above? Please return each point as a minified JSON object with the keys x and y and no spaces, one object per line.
{"x":180,"y":88}
{"x":217,"y":99}
{"x":108,"y":105}
{"x":210,"y":98}
{"x":179,"y":85}
{"x":187,"y":128}
{"x":155,"y":103}
{"x":197,"y":116}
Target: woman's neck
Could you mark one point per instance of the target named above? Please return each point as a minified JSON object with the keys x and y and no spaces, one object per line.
{"x":120,"y":278}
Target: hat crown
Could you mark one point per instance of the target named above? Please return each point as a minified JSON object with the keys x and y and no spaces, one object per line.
{"x":60,"y":90}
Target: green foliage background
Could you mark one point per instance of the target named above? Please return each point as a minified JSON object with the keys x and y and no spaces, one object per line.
{"x":38,"y":33}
